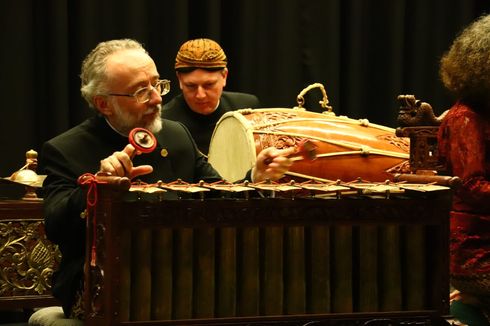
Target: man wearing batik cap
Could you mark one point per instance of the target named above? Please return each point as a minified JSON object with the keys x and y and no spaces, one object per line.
{"x":201,"y":69}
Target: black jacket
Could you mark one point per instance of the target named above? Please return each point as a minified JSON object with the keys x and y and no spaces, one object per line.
{"x":202,"y":126}
{"x":79,"y":150}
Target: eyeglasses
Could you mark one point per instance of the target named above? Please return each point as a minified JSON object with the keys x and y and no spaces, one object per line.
{"x":143,"y":95}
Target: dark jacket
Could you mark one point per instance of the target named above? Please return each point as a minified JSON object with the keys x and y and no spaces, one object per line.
{"x":79,"y":150}
{"x":202,"y":126}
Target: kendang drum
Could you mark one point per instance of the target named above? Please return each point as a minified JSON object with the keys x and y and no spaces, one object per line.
{"x":346,"y":149}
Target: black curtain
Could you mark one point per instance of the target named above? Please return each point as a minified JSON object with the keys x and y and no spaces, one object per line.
{"x":365,"y":52}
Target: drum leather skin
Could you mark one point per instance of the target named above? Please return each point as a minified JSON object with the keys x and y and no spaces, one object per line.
{"x":347,"y":149}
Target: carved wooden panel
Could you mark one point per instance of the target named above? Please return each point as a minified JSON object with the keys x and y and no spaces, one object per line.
{"x":27,"y":258}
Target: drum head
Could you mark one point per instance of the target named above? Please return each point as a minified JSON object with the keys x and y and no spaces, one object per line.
{"x":232,"y":149}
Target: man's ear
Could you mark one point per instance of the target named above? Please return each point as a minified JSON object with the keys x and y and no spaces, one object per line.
{"x":224,"y":73}
{"x":178,"y":78}
{"x":102,"y":105}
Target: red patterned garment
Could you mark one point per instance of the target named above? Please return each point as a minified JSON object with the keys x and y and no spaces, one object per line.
{"x":464,"y":145}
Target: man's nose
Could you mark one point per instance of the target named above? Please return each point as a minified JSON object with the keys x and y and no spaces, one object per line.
{"x":155,"y":97}
{"x":200,"y":93}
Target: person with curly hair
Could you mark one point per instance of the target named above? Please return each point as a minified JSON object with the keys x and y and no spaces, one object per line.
{"x":464,"y":147}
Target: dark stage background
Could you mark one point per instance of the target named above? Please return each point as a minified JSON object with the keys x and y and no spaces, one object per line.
{"x":365,"y":52}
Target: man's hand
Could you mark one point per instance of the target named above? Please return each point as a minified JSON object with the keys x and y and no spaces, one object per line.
{"x":272,"y":163}
{"x":120,"y":164}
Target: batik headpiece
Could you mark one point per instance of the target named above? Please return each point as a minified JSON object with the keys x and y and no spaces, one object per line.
{"x":200,"y":53}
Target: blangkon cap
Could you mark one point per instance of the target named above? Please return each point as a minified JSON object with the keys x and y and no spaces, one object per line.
{"x":200,"y":53}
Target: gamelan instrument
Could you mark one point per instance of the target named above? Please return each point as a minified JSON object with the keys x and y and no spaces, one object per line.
{"x":333,"y":253}
{"x":346,"y":149}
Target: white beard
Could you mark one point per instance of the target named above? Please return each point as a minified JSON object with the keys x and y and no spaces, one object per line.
{"x":156,"y":125}
{"x":124,"y":122}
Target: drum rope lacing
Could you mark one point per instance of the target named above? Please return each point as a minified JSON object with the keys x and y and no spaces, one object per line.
{"x":363,"y":150}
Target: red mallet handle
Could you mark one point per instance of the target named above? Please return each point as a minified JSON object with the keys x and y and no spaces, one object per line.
{"x":143,"y":140}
